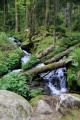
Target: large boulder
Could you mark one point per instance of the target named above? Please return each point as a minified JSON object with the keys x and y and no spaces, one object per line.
{"x":67,"y":102}
{"x":43,"y":107}
{"x":14,"y":107}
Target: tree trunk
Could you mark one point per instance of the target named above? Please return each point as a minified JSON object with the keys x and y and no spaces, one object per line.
{"x":65,"y":16}
{"x":69,"y":7}
{"x":27,"y":15}
{"x":60,"y":55}
{"x":48,"y":67}
{"x":4,"y":12}
{"x":47,"y":15}
{"x":54,"y":22}
{"x":16,"y":16}
{"x":45,"y":52}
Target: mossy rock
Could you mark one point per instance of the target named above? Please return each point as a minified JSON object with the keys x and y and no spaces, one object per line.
{"x":36,"y":84}
{"x":76,"y":95}
{"x":74,"y":116}
{"x":34,"y":100}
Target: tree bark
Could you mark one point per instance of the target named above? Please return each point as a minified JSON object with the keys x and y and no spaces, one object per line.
{"x":27,"y":15}
{"x":4,"y":12}
{"x":54,"y":22}
{"x":69,"y":7}
{"x":47,"y":15}
{"x":48,"y":67}
{"x":65,"y":16}
{"x":45,"y":52}
{"x":16,"y":17}
{"x":60,"y":55}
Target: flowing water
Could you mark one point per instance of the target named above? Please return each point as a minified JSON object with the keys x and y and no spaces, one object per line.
{"x":55,"y":80}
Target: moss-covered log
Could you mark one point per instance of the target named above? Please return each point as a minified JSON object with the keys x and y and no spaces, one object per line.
{"x":60,"y":55}
{"x":45,"y":52}
{"x":48,"y":67}
{"x":51,"y":48}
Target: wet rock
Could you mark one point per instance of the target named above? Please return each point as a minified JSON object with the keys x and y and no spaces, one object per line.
{"x":14,"y":107}
{"x":43,"y":107}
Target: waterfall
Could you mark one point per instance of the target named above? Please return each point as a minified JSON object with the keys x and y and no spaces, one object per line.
{"x":56,"y":80}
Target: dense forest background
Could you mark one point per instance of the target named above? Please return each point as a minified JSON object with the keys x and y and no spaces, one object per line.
{"x":20,"y":15}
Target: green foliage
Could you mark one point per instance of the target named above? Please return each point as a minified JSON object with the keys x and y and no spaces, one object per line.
{"x":72,"y":79}
{"x":69,"y":41}
{"x":30,"y":63}
{"x":13,"y":61}
{"x":76,"y":24}
{"x":15,"y":83}
{"x":72,"y":73}
{"x":3,"y":68}
{"x":34,"y":93}
{"x":76,"y":56}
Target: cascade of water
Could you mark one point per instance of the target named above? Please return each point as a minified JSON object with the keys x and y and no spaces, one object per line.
{"x":56,"y":80}
{"x":25,"y":58}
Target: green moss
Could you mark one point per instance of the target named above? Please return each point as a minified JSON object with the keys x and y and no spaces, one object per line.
{"x":75,"y":115}
{"x":34,"y":100}
{"x":36,"y":83}
{"x":76,"y":95}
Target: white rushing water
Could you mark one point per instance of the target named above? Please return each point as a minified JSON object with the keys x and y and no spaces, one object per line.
{"x":25,"y":58}
{"x":55,"y":80}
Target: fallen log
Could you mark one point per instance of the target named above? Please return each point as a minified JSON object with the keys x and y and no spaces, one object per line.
{"x":60,"y":55}
{"x":45,"y":52}
{"x":48,"y":67}
{"x":50,"y":49}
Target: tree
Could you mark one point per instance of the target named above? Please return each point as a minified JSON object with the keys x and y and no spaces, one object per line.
{"x":47,"y":15}
{"x":54,"y":22}
{"x":16,"y":17}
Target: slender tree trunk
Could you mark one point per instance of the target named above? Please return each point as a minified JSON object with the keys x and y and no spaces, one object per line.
{"x":78,"y":9}
{"x":16,"y":17}
{"x":54,"y":22}
{"x":65,"y":16}
{"x":57,"y":7}
{"x":69,"y":7}
{"x":4,"y":12}
{"x":33,"y":17}
{"x":27,"y":15}
{"x":47,"y":15}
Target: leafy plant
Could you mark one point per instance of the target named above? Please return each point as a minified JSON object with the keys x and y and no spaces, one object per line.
{"x":3,"y":68}
{"x":15,"y":83}
{"x":34,"y":93}
{"x":13,"y":61}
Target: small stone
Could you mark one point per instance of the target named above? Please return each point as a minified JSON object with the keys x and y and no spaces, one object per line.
{"x":43,"y":107}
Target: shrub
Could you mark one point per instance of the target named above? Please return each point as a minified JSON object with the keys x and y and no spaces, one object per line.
{"x":15,"y":83}
{"x":3,"y":68}
{"x":30,"y":63}
{"x":76,"y":55}
{"x":34,"y":93}
{"x":13,"y":61}
{"x":73,"y":79}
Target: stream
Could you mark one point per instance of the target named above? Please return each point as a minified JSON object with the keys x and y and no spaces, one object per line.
{"x":55,"y":80}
